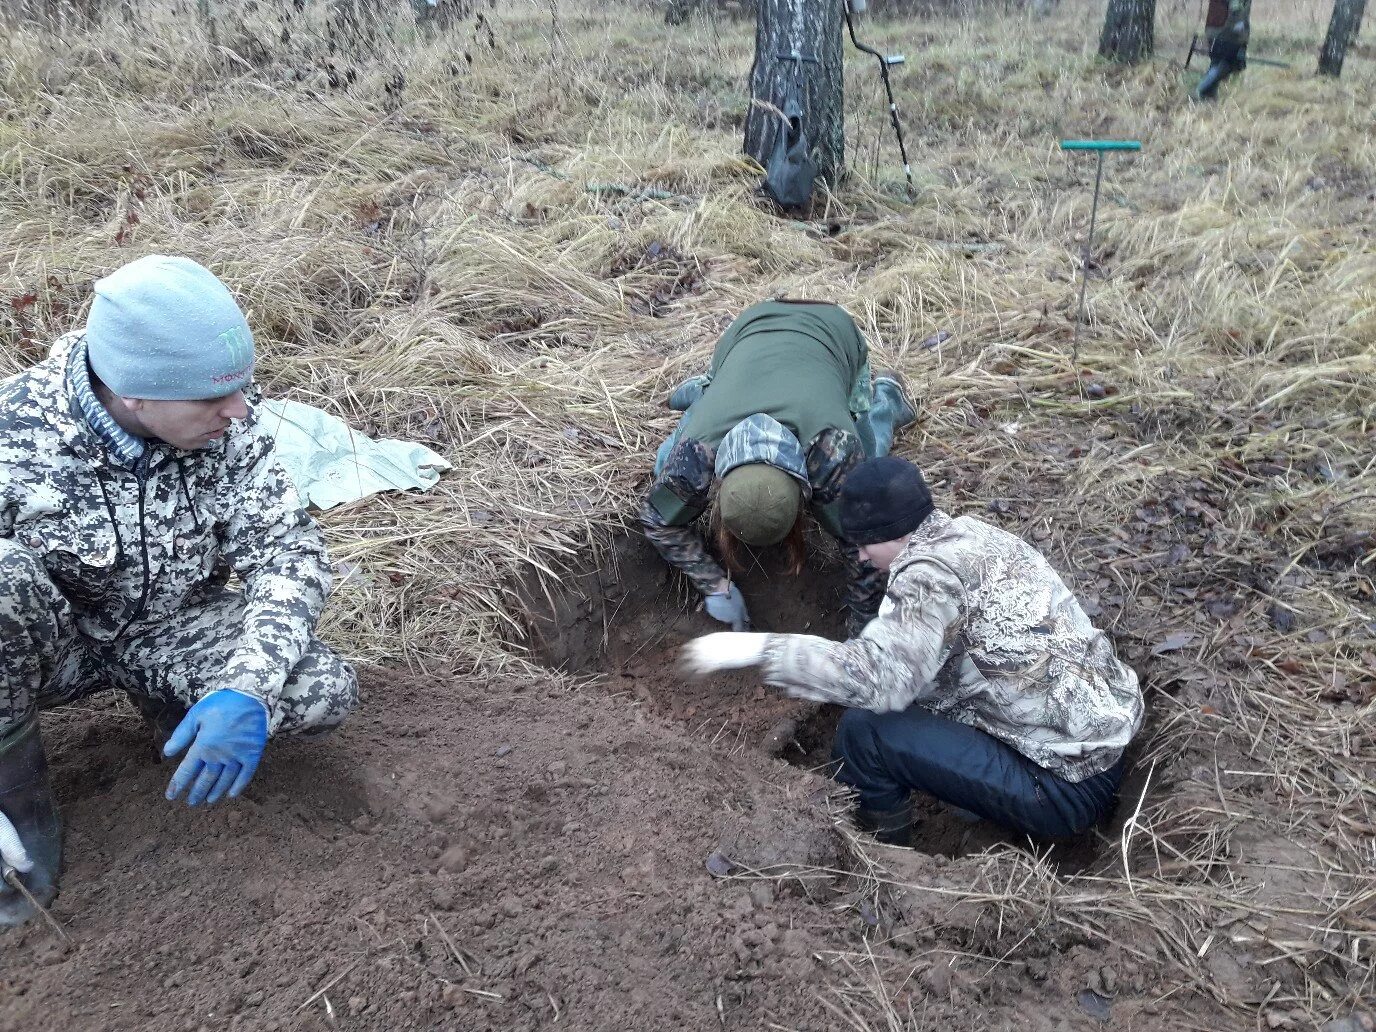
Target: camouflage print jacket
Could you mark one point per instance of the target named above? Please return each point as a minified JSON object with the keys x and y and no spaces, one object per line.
{"x":1236,"y":29}
{"x":686,"y":481}
{"x":131,"y":544}
{"x":978,"y":627}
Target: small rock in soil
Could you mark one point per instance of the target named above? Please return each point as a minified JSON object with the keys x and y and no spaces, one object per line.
{"x":503,"y":750}
{"x":762,"y":893}
{"x":778,"y":737}
{"x":454,"y":859}
{"x":1094,"y":1005}
{"x":1103,"y":982}
{"x":718,"y":865}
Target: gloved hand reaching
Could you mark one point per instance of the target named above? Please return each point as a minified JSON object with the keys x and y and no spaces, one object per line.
{"x":728,"y":607}
{"x":227,"y":732}
{"x":12,"y":851}
{"x":723,"y":651}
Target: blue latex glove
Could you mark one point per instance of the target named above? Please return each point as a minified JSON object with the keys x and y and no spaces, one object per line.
{"x":227,"y":732}
{"x":729,"y":607}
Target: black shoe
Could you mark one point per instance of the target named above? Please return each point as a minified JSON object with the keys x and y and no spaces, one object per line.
{"x":161,"y":716}
{"x":891,"y":827}
{"x":26,"y":798}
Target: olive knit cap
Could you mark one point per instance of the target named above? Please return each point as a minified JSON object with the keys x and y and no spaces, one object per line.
{"x":759,"y":503}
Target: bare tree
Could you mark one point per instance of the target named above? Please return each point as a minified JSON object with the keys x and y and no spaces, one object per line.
{"x":1129,"y":31}
{"x":1342,"y":33}
{"x":798,"y":54}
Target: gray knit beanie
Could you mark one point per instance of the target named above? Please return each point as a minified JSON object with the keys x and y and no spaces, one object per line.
{"x":165,"y":329}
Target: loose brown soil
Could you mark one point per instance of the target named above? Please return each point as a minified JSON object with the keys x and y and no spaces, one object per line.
{"x":464,"y":854}
{"x":473,"y":855}
{"x":517,"y":853}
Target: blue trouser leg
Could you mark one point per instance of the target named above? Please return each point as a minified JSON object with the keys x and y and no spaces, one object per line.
{"x":888,"y":413}
{"x":885,"y":756}
{"x":1208,"y":86}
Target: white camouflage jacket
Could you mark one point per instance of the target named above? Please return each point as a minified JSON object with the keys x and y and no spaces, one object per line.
{"x":131,"y":545}
{"x":977,"y":626}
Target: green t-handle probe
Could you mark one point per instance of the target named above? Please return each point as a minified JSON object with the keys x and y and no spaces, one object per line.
{"x":1099,"y":147}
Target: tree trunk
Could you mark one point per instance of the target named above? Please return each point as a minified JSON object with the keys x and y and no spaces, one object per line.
{"x":812,"y":29}
{"x":1342,"y":33}
{"x":1129,"y":31}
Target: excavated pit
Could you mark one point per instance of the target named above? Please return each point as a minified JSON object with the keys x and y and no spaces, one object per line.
{"x":624,"y":616}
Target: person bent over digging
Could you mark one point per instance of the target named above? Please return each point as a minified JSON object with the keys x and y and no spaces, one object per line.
{"x":981,"y":681}
{"x":781,"y":417}
{"x":134,"y":479}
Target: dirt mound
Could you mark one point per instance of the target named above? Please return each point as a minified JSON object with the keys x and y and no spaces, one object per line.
{"x":478,"y":854}
{"x":463,"y":854}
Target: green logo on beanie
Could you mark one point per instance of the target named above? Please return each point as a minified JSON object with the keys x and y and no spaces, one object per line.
{"x":238,"y":348}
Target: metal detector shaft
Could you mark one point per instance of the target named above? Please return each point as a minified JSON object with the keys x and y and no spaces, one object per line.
{"x":1266,"y":61}
{"x":884,"y":62}
{"x":1099,"y":147}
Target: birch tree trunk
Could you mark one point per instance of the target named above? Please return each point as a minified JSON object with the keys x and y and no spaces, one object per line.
{"x":811,"y":29}
{"x":1129,"y":31}
{"x":1342,"y":33}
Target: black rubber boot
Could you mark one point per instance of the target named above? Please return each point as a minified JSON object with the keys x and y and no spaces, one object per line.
{"x":891,"y":827}
{"x":26,"y":798}
{"x":162,"y":718}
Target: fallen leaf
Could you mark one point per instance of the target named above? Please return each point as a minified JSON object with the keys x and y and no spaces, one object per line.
{"x":1173,"y":642}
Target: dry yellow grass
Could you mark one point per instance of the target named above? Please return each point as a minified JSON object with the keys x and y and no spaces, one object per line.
{"x":456,"y":247}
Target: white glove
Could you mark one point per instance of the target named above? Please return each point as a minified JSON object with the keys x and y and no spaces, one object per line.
{"x":12,"y":851}
{"x":725,"y":650}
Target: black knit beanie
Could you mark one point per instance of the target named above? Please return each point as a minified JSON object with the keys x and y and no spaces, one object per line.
{"x":882,"y":500}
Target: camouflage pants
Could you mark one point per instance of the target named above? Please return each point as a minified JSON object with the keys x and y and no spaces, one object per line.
{"x":45,"y":661}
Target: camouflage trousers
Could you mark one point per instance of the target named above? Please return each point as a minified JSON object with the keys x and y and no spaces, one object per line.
{"x":45,"y":661}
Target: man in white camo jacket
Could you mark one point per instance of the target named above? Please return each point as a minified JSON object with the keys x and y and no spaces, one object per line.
{"x":981,"y":681}
{"x":134,"y":481}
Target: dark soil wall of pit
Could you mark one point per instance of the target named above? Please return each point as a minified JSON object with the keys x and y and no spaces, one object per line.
{"x":627,"y":615}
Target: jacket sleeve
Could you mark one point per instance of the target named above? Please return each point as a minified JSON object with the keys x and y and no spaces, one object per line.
{"x":278,"y":551}
{"x":894,"y":661}
{"x":677,"y":497}
{"x":830,"y":458}
{"x":864,"y":591}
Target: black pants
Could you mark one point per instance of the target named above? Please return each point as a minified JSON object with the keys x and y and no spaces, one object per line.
{"x":885,"y":756}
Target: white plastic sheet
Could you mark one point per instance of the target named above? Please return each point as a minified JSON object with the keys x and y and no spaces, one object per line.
{"x":331,"y":463}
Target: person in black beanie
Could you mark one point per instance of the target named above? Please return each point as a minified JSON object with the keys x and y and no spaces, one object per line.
{"x":981,"y":681}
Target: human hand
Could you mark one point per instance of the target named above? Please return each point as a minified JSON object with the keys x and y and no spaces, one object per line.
{"x":724,"y":650}
{"x":728,"y":607}
{"x":12,"y":851}
{"x":227,"y":732}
